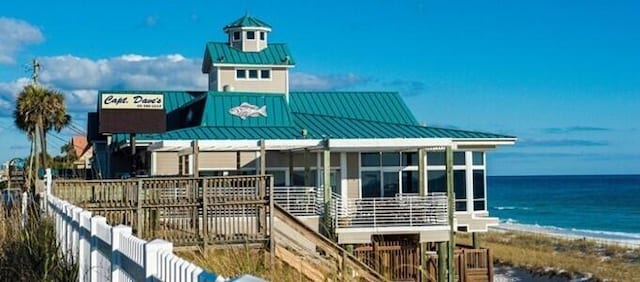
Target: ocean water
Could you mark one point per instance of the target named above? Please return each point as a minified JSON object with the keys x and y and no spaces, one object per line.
{"x":601,"y":206}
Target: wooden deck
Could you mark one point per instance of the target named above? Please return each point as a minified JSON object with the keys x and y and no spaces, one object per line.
{"x":185,"y":211}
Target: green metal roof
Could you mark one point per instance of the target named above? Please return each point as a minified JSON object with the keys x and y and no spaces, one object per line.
{"x":218,"y":105}
{"x":372,"y":106}
{"x":222,"y":53}
{"x":320,"y":126}
{"x":337,"y":115}
{"x":247,"y":21}
{"x":217,"y":133}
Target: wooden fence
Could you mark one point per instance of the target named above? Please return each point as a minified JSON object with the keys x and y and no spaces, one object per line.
{"x":400,"y":261}
{"x":185,"y":211}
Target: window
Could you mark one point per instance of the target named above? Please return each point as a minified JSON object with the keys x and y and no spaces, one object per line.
{"x":410,"y":182}
{"x":409,"y":159}
{"x":253,"y":74}
{"x":437,"y":180}
{"x":479,"y":196}
{"x":241,"y":73}
{"x":298,"y":178}
{"x":370,"y":159}
{"x":460,"y":189}
{"x":265,"y":74}
{"x":370,"y":184}
{"x":436,"y":158}
{"x":279,"y":178}
{"x":236,"y":35}
{"x":478,"y":158}
{"x":251,"y":35}
{"x":262,"y":35}
{"x":458,"y":158}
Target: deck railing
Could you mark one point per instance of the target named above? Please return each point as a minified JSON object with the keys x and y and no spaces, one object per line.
{"x":400,"y":211}
{"x":185,"y":211}
{"x":299,"y":201}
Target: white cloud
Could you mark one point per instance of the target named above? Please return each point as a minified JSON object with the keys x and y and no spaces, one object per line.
{"x":312,"y":82}
{"x":14,"y":35}
{"x":81,"y":78}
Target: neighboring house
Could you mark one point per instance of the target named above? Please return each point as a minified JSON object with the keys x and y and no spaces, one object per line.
{"x":84,"y":153}
{"x":376,"y":150}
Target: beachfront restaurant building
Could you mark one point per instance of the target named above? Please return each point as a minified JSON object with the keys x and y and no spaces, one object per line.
{"x":367,"y":146}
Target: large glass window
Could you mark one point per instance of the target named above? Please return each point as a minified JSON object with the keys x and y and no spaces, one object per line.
{"x":251,"y":35}
{"x":478,"y":158}
{"x":236,"y":35}
{"x":479,"y":197}
{"x":370,"y":159}
{"x":391,"y":185}
{"x":390,"y":159}
{"x":460,"y":189}
{"x":334,"y":180}
{"x":437,"y":180}
{"x":410,"y":182}
{"x":458,"y":158}
{"x":298,"y":177}
{"x":436,"y":158}
{"x":409,"y":159}
{"x":279,"y":177}
{"x":370,"y":184}
{"x":262,"y":35}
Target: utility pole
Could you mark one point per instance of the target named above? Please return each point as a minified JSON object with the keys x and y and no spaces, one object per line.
{"x":35,"y":71}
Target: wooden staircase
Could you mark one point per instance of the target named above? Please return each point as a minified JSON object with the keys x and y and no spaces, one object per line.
{"x":314,"y":255}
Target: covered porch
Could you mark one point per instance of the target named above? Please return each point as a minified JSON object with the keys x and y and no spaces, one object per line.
{"x":375,"y":184}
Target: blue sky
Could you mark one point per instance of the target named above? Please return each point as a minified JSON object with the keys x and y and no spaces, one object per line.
{"x":562,"y":76}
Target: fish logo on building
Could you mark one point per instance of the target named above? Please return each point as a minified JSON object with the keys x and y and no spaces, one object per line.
{"x":247,"y":110}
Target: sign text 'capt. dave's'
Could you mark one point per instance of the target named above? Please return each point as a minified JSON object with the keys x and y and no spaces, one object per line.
{"x":132,"y":101}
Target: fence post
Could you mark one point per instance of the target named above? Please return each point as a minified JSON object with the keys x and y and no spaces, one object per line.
{"x":47,"y":189}
{"x":140,"y":211}
{"x":152,"y":258}
{"x":76,"y":226}
{"x":24,"y":211}
{"x":205,"y":215}
{"x":94,"y":270}
{"x":84,"y":249}
{"x":116,"y":260}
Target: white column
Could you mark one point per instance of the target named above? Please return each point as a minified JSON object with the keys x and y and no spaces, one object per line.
{"x":152,"y":258}
{"x":153,"y":169}
{"x":468,"y":162}
{"x":343,"y":178}
{"x":116,"y":260}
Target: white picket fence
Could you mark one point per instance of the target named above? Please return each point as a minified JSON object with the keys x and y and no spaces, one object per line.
{"x":111,"y":253}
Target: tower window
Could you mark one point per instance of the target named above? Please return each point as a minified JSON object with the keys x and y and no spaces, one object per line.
{"x":241,"y":73}
{"x":265,"y":74}
{"x":262,"y":35}
{"x":251,"y":35}
{"x":253,"y":74}
{"x":236,"y":35}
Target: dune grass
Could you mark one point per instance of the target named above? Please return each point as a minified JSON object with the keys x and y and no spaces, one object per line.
{"x":31,"y":253}
{"x":234,"y":262}
{"x":549,"y":255}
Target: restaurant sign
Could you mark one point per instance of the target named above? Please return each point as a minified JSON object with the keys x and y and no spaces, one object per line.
{"x":132,"y":101}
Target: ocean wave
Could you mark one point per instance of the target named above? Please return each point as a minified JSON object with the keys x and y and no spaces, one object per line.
{"x":597,"y":234}
{"x":511,"y":208}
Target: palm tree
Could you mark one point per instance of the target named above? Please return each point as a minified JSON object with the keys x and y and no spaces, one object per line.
{"x":39,"y":110}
